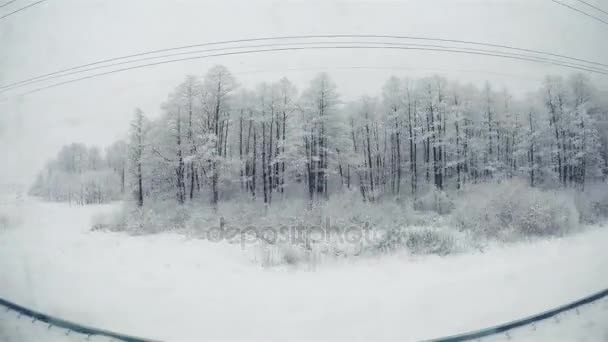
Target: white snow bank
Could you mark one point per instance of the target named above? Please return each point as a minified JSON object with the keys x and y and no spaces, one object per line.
{"x":170,"y":288}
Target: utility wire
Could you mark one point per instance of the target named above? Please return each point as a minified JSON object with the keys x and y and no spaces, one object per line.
{"x":539,"y":59}
{"x":7,"y":3}
{"x":20,"y":9}
{"x":287,"y":49}
{"x":299,"y":37}
{"x":581,"y":12}
{"x":593,"y":6}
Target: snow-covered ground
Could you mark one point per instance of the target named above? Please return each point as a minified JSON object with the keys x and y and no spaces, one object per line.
{"x":172,"y":288}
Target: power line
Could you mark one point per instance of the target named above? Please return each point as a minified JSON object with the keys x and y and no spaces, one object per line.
{"x":581,"y":12}
{"x":7,"y":3}
{"x":278,"y":49}
{"x":287,"y":49}
{"x":20,"y":9}
{"x":539,"y":59}
{"x":519,"y":77}
{"x":389,"y":68}
{"x":593,"y":6}
{"x":299,"y":37}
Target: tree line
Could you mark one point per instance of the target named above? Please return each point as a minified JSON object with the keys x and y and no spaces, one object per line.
{"x":215,"y":139}
{"x":83,"y":175}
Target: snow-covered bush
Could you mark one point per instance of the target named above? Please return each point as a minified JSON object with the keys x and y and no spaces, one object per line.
{"x":349,"y":209}
{"x":424,"y":240}
{"x":430,"y":240}
{"x":147,"y":220}
{"x":112,"y":221}
{"x":434,"y":200}
{"x":504,"y":211}
{"x":592,"y":203}
{"x":270,"y":255}
{"x":512,"y":210}
{"x":343,"y":214}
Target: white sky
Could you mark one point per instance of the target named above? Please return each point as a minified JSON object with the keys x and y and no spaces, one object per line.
{"x":64,"y":33}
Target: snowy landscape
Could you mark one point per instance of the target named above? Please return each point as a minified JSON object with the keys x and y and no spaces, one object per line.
{"x":432,"y":167}
{"x":172,"y":221}
{"x":174,"y":187}
{"x":137,"y":284}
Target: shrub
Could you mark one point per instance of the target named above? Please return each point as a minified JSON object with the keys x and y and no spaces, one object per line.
{"x":512,"y":210}
{"x":436,"y":201}
{"x":592,"y":204}
{"x":154,"y":217}
{"x":429,"y":240}
{"x":424,"y":240}
{"x":113,"y":221}
{"x":271,"y":255}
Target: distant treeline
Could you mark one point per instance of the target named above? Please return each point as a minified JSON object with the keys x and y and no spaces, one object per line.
{"x":82,"y":175}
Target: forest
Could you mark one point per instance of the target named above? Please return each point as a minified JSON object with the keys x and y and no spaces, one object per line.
{"x":218,"y":141}
{"x":422,"y":146}
{"x":81,"y":175}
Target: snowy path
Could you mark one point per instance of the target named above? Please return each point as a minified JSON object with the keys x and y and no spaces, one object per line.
{"x":171,"y":288}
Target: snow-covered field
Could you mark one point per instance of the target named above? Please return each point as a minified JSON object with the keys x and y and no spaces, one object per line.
{"x":172,"y":288}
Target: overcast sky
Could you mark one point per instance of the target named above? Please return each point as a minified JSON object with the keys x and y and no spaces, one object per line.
{"x":62,"y":33}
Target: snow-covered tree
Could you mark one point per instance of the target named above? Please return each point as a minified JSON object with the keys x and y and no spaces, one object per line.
{"x":137,"y":149}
